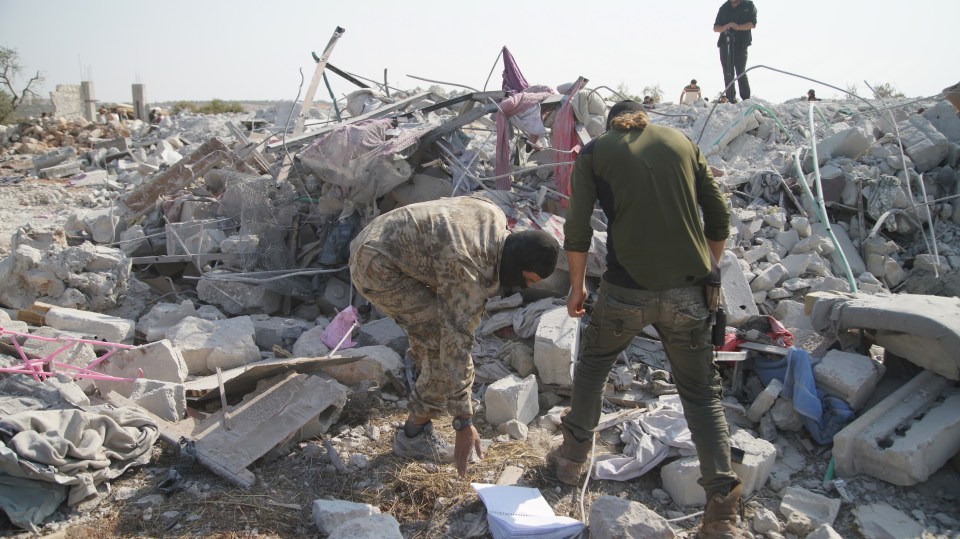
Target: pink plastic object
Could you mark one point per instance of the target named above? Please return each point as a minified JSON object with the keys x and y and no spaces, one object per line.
{"x":339,"y":330}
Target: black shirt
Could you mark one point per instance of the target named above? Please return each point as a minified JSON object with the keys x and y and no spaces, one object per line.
{"x":745,"y":12}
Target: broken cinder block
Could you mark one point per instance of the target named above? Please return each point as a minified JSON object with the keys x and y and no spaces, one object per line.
{"x":851,"y":377}
{"x":512,"y":398}
{"x":905,"y":437}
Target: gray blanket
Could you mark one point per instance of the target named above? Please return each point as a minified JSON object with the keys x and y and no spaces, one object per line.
{"x":77,"y":449}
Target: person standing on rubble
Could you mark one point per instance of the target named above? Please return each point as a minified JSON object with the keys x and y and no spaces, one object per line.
{"x":734,"y":21}
{"x":652,"y":182}
{"x":431,"y":266}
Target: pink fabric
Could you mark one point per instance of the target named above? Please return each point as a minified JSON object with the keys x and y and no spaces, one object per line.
{"x":514,"y":104}
{"x":564,"y":137}
{"x":341,"y":325}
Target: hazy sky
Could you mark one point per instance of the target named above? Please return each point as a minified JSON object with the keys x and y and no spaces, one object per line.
{"x":241,"y":49}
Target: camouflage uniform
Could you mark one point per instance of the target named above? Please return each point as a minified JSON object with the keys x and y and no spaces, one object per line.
{"x":431,"y":267}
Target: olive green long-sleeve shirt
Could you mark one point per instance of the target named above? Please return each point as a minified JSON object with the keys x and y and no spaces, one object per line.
{"x":651,"y":185}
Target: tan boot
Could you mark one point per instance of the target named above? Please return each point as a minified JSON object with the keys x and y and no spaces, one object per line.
{"x":570,"y":457}
{"x":722,"y":517}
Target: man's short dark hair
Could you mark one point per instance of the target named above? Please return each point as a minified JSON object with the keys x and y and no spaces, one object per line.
{"x":528,"y":250}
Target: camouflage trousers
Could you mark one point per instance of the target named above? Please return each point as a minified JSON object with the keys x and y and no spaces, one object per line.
{"x":445,"y":382}
{"x":680,"y":317}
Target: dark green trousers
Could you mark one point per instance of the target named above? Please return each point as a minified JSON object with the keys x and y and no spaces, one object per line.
{"x":680,"y":317}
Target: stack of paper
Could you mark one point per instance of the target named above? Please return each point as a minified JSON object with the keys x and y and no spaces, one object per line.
{"x":523,"y":512}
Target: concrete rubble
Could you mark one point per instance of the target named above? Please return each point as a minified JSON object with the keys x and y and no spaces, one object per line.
{"x":207,"y":255}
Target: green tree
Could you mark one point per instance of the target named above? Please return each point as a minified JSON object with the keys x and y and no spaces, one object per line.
{"x":887,"y":90}
{"x":10,"y":69}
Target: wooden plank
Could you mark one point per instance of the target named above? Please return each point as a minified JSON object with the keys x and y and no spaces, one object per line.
{"x":35,"y":314}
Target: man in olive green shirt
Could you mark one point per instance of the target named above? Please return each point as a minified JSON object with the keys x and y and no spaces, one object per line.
{"x":652,"y":184}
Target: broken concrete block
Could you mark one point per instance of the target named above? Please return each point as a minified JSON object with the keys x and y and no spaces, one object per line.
{"x":206,"y":345}
{"x":53,"y":157}
{"x":786,"y":241}
{"x":63,"y":170}
{"x":768,"y":278}
{"x":790,"y":314}
{"x":515,"y":429}
{"x":926,"y":262}
{"x":155,"y":323}
{"x":336,"y":295}
{"x":166,"y":400}
{"x":612,"y":517}
{"x":277,"y":331}
{"x":785,"y":417}
{"x":385,"y":332}
{"x":758,"y":253}
{"x":240,"y":251}
{"x":156,"y":361}
{"x":737,"y":296}
{"x":944,"y":118}
{"x":851,"y":253}
{"x":310,"y":343}
{"x":237,"y":297}
{"x":555,"y":348}
{"x":519,"y":356}
{"x":100,"y":326}
{"x":905,"y":437}
{"x":883,"y":521}
{"x":377,"y":361}
{"x":328,"y":515}
{"x":764,"y":400}
{"x":825,"y":531}
{"x":511,"y":398}
{"x":817,"y":508}
{"x":680,"y":477}
{"x":801,"y":225}
{"x":850,"y":143}
{"x":371,"y":527}
{"x":851,"y":377}
{"x":797,"y":264}
{"x":925,"y":145}
{"x":765,"y":520}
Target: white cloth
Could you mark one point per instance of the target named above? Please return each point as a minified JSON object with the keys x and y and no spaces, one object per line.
{"x":660,"y":433}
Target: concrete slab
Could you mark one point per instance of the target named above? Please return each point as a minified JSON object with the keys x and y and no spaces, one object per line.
{"x":264,"y":419}
{"x":925,"y":330}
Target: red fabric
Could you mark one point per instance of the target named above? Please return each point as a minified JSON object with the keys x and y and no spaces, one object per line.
{"x":564,"y":137}
{"x":778,"y":334}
